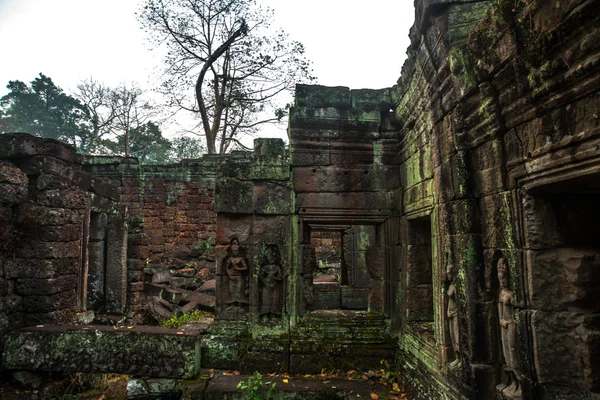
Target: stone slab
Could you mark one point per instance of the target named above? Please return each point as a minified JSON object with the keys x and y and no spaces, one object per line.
{"x":133,"y":350}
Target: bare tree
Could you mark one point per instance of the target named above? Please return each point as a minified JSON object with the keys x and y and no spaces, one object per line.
{"x":224,"y":63}
{"x":97,"y":100}
{"x":131,"y":113}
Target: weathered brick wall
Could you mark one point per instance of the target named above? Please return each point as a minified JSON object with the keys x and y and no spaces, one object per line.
{"x":170,"y":208}
{"x":498,"y":118}
{"x":328,"y":246}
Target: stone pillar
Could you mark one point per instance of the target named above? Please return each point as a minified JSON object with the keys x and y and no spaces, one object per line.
{"x":116,"y":263}
{"x":96,"y":260}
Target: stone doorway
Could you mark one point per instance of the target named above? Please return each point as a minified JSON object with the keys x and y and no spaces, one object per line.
{"x":347,"y":264}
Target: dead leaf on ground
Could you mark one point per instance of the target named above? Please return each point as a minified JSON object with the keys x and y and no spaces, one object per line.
{"x":374,"y":396}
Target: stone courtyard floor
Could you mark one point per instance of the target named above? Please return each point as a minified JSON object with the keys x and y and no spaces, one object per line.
{"x":211,"y":385}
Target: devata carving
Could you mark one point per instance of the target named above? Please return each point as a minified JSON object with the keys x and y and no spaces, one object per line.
{"x":452,"y":313}
{"x":271,"y":280}
{"x":508,"y":334}
{"x":237,"y":274}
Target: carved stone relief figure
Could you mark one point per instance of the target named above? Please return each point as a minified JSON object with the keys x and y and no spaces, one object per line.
{"x":271,"y":280}
{"x":452,"y":314}
{"x":508,"y":334}
{"x":237,"y":274}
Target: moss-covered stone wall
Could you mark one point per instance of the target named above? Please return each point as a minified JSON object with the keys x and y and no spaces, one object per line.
{"x":496,"y":109}
{"x":45,"y":201}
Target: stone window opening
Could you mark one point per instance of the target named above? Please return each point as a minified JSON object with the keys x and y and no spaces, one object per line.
{"x":341,"y":279}
{"x":330,"y":266}
{"x":419,"y":277}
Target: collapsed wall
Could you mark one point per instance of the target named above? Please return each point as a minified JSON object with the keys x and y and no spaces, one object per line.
{"x":170,"y":209}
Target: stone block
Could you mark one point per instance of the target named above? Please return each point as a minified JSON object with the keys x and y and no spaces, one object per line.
{"x":63,"y":198}
{"x":354,"y":298}
{"x":50,"y":233}
{"x":45,"y":250}
{"x":231,"y":226}
{"x":563,"y":278}
{"x":98,"y":225}
{"x":557,"y":331}
{"x":11,"y":175}
{"x":459,"y":217}
{"x":234,"y":196}
{"x":371,"y":99}
{"x":12,"y":194}
{"x":142,"y":351}
{"x":266,"y":362}
{"x":104,"y":188}
{"x":273,"y":229}
{"x":309,"y":152}
{"x":318,"y":96}
{"x":41,"y":269}
{"x":346,"y":200}
{"x":13,"y":304}
{"x":41,"y":287}
{"x":326,"y":296}
{"x":38,"y":215}
{"x":221,"y":353}
{"x":19,"y":145}
{"x":497,"y":220}
{"x":376,"y":263}
{"x":308,"y":259}
{"x":350,"y":179}
{"x":272,"y":198}
{"x":349,"y":155}
{"x":55,"y":302}
{"x":376,"y":297}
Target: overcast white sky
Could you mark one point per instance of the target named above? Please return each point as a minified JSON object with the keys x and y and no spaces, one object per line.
{"x":358,"y":44}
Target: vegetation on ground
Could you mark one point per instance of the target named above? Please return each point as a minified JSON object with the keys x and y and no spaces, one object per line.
{"x":178,"y":320}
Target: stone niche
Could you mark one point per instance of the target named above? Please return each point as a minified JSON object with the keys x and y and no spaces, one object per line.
{"x":562,"y":256}
{"x":419,"y":277}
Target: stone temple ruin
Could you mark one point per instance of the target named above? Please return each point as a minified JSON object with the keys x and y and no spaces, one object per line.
{"x":448,"y":224}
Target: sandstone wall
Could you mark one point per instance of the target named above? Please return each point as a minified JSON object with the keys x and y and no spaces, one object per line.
{"x":45,"y":200}
{"x":497,"y":111}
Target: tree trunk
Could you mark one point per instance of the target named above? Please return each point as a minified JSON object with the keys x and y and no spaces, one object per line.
{"x":210,"y":136}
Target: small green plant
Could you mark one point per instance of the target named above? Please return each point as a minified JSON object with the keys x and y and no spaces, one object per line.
{"x":204,"y":245}
{"x":177,"y":320}
{"x":148,"y":261}
{"x":256,"y":389}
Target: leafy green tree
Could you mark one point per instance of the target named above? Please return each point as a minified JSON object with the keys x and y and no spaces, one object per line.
{"x":224,"y":63}
{"x":150,"y":147}
{"x":43,"y":109}
{"x":185,"y":148}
